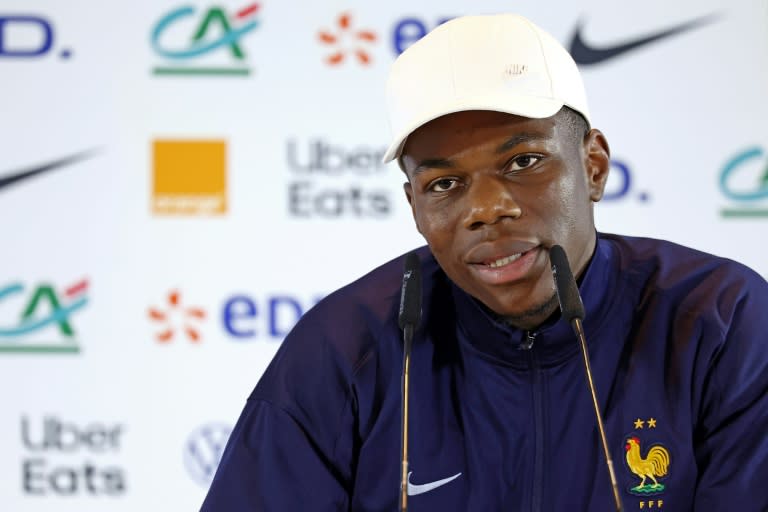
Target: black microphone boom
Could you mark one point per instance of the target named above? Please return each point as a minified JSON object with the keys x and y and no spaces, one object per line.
{"x":410,"y":293}
{"x":408,"y":318}
{"x":572,"y":309}
{"x":567,"y":291}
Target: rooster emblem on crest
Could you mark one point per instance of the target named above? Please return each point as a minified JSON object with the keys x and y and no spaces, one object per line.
{"x":655,"y":464}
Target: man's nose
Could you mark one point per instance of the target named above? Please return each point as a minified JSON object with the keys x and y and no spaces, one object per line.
{"x":489,"y":200}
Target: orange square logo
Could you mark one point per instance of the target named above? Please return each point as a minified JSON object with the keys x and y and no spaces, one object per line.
{"x":190,"y":177}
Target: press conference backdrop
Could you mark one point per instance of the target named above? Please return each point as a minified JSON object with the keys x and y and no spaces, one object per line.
{"x":180,"y":180}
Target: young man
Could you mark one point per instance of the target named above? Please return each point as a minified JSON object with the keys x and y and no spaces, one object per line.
{"x":493,"y":133}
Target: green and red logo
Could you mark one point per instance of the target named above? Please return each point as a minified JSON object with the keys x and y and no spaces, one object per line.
{"x":744,"y":182}
{"x":30,"y":317}
{"x":207,"y":43}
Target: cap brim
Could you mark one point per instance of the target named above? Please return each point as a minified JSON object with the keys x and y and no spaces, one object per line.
{"x":524,"y":106}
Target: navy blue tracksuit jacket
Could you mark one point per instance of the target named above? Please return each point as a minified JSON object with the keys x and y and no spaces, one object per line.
{"x":501,"y":419}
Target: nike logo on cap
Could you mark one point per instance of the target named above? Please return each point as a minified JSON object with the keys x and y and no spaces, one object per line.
{"x":15,"y":177}
{"x":414,"y":489}
{"x":585,"y":54}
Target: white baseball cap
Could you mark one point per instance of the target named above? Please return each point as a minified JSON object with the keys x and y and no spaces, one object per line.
{"x":500,"y":62}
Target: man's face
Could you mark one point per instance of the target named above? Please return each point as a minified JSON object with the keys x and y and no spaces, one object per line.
{"x":491,"y":192}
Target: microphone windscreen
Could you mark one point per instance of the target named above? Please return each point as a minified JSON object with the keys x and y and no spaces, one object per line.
{"x":410,"y":294}
{"x":567,"y":290}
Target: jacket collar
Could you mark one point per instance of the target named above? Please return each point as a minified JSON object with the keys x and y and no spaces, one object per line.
{"x":554,"y":340}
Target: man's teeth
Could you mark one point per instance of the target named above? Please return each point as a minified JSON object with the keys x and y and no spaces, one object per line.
{"x":504,"y":261}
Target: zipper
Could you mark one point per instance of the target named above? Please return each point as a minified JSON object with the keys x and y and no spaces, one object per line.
{"x":527,"y":343}
{"x":538,"y":414}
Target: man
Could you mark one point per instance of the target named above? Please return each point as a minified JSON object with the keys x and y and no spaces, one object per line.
{"x":493,"y":133}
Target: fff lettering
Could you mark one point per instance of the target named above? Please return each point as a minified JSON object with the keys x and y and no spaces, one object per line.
{"x":58,"y":440}
{"x":244,"y":319}
{"x":34,"y":28}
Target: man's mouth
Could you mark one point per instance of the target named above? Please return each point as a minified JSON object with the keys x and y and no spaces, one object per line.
{"x":506,"y":269}
{"x":504,"y":261}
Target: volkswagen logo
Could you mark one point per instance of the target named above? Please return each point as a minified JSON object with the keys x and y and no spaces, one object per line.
{"x":203,"y":450}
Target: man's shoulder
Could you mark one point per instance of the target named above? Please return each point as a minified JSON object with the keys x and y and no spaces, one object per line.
{"x":688,"y":278}
{"x":670,"y":261}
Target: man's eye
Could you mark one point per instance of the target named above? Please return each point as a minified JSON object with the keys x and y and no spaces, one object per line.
{"x":442,"y":185}
{"x":523,"y":161}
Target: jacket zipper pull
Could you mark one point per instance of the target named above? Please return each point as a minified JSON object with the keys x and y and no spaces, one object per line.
{"x":527,"y":343}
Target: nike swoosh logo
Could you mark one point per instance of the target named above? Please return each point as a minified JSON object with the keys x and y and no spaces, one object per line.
{"x":585,"y":54}
{"x":15,"y":177}
{"x":413,"y":489}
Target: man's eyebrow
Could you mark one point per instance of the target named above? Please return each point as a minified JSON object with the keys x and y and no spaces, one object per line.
{"x":520,"y":138}
{"x":432,"y":163}
{"x":444,"y":163}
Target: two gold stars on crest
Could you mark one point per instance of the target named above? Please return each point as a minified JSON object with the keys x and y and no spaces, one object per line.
{"x":640,"y":423}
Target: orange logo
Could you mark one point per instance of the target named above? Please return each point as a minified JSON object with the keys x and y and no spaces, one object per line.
{"x":175,"y":316}
{"x":189,"y":177}
{"x":347,"y":40}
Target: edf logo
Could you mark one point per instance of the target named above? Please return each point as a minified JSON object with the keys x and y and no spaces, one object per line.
{"x":27,"y":36}
{"x":621,"y":184}
{"x":409,"y":30}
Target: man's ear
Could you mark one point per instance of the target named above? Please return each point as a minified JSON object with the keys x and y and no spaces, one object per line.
{"x":597,"y":161}
{"x":408,"y":189}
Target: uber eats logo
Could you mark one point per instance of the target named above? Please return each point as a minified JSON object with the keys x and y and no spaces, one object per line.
{"x":333,"y":181}
{"x":64,"y":458}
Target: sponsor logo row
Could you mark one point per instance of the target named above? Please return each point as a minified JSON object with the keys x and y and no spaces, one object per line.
{"x":190,"y":177}
{"x":314,"y":165}
{"x":65,"y":458}
{"x":43,"y":318}
{"x":327,"y":180}
{"x":212,"y":40}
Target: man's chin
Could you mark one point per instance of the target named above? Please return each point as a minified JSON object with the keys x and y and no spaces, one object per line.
{"x":533,"y":316}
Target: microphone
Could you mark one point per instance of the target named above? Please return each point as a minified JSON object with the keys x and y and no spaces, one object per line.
{"x":410,"y":293}
{"x":408,"y":318}
{"x":572,"y":310}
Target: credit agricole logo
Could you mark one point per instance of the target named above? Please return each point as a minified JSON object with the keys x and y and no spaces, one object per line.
{"x":744,"y":182}
{"x":193,"y":41}
{"x":41,"y":318}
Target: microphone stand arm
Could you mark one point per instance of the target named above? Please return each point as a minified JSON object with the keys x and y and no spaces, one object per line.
{"x":408,"y":340}
{"x":579,"y":329}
